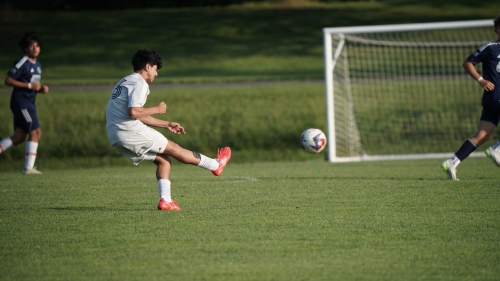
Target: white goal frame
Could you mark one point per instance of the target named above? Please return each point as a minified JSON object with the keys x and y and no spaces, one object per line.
{"x":331,"y":56}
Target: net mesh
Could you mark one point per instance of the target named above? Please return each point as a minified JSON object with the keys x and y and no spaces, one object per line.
{"x":406,"y":92}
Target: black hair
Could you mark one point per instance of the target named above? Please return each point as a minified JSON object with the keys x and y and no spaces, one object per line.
{"x":145,"y":56}
{"x":496,"y":22}
{"x":28,"y":39}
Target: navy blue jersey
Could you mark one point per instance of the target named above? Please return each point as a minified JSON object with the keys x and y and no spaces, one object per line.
{"x":25,"y":71}
{"x":489,"y":56}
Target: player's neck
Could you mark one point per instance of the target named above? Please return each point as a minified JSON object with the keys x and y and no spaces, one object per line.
{"x":143,"y":74}
{"x":32,"y":59}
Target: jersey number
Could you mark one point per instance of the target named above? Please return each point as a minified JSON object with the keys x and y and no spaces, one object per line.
{"x":116,"y":92}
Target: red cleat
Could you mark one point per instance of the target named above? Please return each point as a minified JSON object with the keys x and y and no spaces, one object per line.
{"x":223,"y":156}
{"x":168,"y":206}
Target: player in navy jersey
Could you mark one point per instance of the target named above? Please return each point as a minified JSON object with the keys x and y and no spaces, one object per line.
{"x":25,"y":77}
{"x":489,"y":56}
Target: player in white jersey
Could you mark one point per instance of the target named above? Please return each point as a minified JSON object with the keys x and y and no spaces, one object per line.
{"x":128,"y":121}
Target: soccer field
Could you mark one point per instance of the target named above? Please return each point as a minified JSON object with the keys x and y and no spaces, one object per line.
{"x":393,"y":220}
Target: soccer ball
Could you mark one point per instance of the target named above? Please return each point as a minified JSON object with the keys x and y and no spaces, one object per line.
{"x":313,"y":140}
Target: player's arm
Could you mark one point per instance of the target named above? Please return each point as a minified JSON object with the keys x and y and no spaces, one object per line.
{"x":18,"y":84}
{"x":140,"y":112}
{"x":471,"y":70}
{"x":173,"y":127}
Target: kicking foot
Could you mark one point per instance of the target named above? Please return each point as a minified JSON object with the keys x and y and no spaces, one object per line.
{"x":450,"y":170}
{"x":223,"y":156}
{"x":493,"y":155}
{"x":168,"y":206}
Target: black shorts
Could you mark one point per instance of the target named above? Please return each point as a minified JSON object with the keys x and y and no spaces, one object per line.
{"x":490,"y":115}
{"x":25,"y":117}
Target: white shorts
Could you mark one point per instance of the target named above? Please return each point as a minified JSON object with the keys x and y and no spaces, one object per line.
{"x":144,"y":145}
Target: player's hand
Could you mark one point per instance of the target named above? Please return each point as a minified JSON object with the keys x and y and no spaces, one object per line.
{"x":44,"y":89}
{"x":36,"y":86}
{"x":162,"y":108}
{"x":487,"y":85}
{"x":176,"y":128}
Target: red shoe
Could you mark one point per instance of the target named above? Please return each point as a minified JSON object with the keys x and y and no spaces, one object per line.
{"x":168,"y":206}
{"x":223,"y":156}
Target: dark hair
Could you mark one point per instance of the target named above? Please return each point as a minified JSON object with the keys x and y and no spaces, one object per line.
{"x":496,"y":22}
{"x":145,"y":56}
{"x":28,"y":39}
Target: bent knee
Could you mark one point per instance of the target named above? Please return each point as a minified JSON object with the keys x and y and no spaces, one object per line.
{"x":162,"y":159}
{"x":36,"y":134}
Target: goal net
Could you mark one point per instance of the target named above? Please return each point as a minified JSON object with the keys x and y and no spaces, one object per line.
{"x":399,"y":91}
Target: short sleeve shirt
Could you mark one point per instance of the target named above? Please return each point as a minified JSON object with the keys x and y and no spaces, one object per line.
{"x":131,"y":91}
{"x":489,"y":56}
{"x":28,"y":72}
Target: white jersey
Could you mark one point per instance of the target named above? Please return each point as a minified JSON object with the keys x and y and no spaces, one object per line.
{"x":131,"y":91}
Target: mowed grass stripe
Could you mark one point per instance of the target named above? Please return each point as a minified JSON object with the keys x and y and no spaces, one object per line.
{"x":292,"y":221}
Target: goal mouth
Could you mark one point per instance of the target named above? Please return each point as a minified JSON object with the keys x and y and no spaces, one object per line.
{"x":399,"y":91}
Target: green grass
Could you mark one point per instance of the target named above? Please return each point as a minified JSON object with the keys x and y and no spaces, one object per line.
{"x":255,"y":43}
{"x":262,"y":123}
{"x":394,"y":220}
{"x":258,"y":122}
{"x":94,"y":218}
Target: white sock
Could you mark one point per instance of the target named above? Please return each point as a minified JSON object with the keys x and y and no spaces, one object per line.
{"x":208,"y":163}
{"x":30,"y":157}
{"x":495,"y":147}
{"x":164,"y":189}
{"x":5,"y":144}
{"x":454,"y":160}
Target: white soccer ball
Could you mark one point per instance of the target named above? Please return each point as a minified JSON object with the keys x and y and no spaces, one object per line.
{"x":313,"y":140}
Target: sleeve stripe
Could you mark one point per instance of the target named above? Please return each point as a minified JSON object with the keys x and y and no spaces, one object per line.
{"x":21,"y":62}
{"x":487,"y":45}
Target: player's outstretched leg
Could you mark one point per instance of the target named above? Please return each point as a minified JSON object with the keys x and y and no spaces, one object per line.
{"x":450,"y":169}
{"x":223,"y":157}
{"x":215,"y":165}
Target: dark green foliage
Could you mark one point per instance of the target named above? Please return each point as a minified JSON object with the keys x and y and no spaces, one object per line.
{"x":205,"y":45}
{"x":96,"y":5}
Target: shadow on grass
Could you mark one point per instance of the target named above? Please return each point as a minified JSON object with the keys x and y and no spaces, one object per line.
{"x":100,"y":209}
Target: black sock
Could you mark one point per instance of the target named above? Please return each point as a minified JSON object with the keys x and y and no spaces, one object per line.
{"x":467,"y":148}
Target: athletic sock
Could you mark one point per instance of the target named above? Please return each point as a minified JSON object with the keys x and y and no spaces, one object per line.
{"x":454,"y":160}
{"x":164,"y":189}
{"x":5,"y":144}
{"x":467,"y":148}
{"x":30,"y":157}
{"x":496,"y":146}
{"x":208,"y":163}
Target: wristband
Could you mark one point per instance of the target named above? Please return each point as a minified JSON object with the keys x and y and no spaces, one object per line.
{"x":29,"y":86}
{"x":480,"y":79}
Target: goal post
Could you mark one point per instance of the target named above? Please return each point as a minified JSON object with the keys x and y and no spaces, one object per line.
{"x":399,"y":91}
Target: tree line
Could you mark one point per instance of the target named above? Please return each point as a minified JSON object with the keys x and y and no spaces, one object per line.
{"x":95,"y":5}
